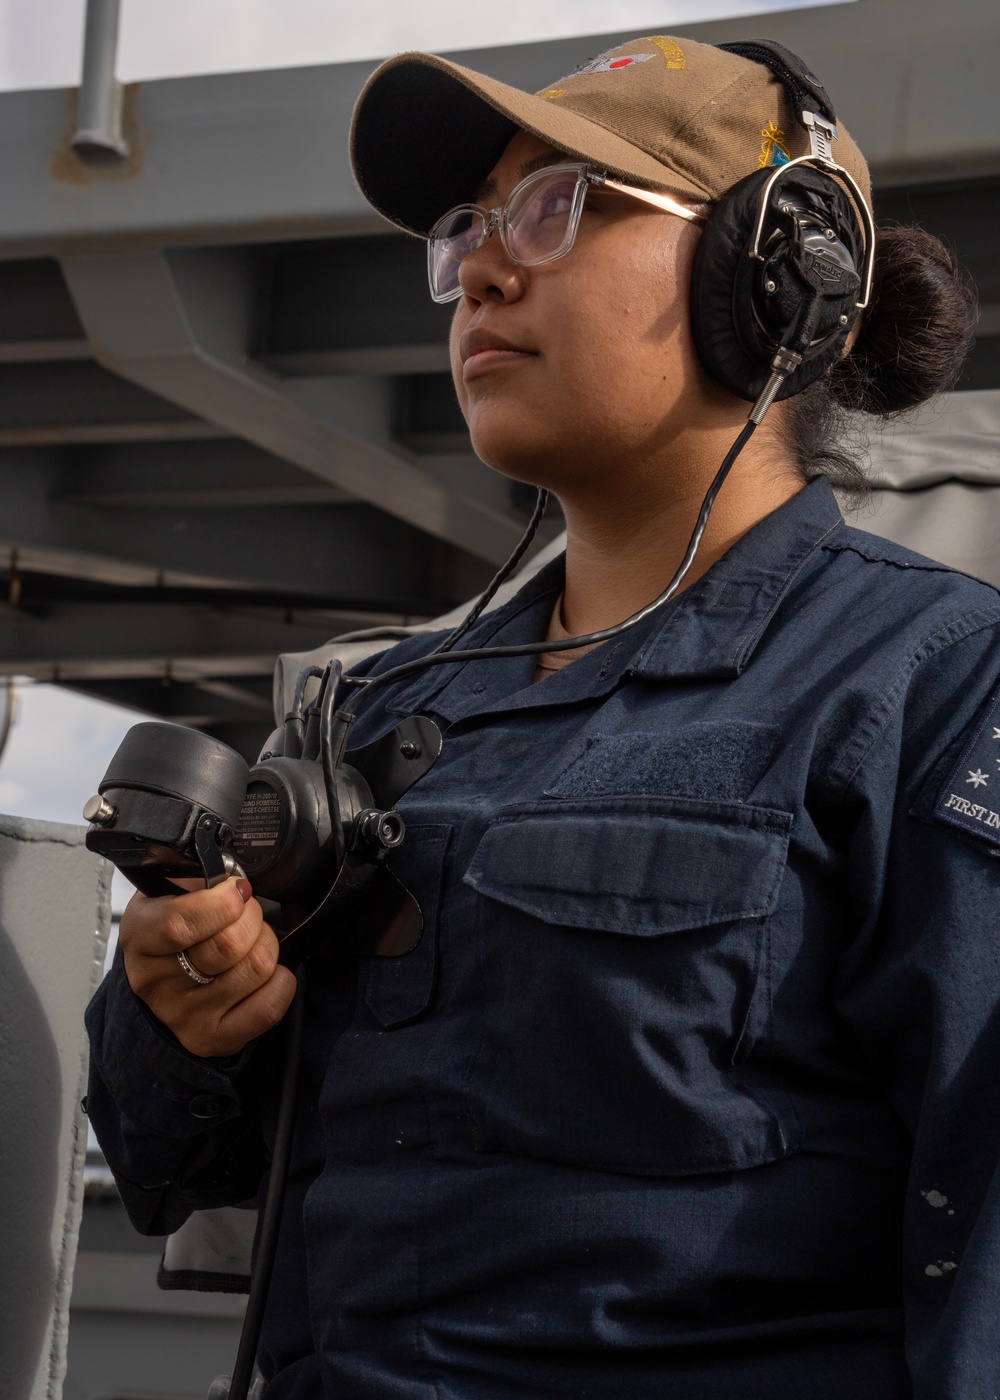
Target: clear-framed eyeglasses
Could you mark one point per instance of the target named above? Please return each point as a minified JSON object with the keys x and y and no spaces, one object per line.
{"x":537,"y":223}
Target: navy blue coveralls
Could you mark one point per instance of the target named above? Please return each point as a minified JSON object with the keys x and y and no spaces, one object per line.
{"x":689,"y":1089}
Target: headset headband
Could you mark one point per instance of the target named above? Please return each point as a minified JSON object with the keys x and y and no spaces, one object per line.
{"x":806,"y":91}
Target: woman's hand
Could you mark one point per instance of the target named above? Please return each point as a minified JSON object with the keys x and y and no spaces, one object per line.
{"x":223,"y":934}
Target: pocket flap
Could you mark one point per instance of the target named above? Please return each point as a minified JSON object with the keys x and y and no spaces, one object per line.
{"x":634,"y":866}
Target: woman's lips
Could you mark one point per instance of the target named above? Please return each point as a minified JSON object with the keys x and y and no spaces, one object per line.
{"x":482,"y":351}
{"x":482,"y":361}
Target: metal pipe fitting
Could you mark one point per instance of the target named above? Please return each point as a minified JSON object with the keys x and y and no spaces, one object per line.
{"x":99,"y":134}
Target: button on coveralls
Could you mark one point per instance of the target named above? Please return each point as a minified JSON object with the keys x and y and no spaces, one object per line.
{"x":689,"y":1088}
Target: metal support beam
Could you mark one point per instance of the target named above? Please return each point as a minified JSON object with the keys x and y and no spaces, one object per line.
{"x":181,"y":325}
{"x":349,"y":556}
{"x":194,"y":476}
{"x":912,"y":79}
{"x":76,"y":400}
{"x":208,"y":497}
{"x":120,"y":640}
{"x":353,"y":306}
{"x":183,"y":701}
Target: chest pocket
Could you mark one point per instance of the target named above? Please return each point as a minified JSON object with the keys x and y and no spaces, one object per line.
{"x":626,"y":948}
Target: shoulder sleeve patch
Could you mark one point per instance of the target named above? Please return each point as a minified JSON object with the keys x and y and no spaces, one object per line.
{"x":970,"y":799}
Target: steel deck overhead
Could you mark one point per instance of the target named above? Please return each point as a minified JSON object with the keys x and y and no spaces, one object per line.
{"x":226,"y":427}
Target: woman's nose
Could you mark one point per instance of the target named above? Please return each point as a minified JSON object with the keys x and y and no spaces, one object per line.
{"x":487,"y":273}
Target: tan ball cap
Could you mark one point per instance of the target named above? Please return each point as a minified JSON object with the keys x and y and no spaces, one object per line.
{"x":682,"y":117}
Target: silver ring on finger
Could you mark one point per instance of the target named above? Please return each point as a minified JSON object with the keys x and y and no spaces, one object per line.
{"x":192,"y":971}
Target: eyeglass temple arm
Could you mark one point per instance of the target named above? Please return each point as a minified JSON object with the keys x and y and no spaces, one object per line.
{"x":658,"y":201}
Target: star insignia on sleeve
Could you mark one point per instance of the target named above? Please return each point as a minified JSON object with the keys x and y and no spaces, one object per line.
{"x":975,"y":776}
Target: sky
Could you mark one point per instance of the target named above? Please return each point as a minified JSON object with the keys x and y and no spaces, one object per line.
{"x":58,"y":750}
{"x":40,"y":40}
{"x":61,"y":743}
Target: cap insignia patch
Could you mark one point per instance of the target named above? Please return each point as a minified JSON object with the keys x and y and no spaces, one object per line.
{"x":612,"y":63}
{"x":550,"y":94}
{"x":773,"y":149}
{"x":607,"y":62}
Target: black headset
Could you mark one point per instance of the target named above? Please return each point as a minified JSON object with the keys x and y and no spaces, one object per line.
{"x":783,"y":266}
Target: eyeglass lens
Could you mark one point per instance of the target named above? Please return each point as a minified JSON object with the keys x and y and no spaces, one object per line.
{"x":537,"y":223}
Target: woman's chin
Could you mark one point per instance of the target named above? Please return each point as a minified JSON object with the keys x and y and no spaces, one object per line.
{"x":516,"y":445}
{"x":530,"y":465}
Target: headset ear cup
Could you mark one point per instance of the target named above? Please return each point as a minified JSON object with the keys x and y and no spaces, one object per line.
{"x":716,"y":317}
{"x":728,"y":317}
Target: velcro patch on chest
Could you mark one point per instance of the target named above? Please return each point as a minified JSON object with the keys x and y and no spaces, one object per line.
{"x":711,"y":761}
{"x":970,"y":799}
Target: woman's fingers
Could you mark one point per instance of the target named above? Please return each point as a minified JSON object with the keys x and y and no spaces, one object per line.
{"x":174,"y":923}
{"x":226,"y":941}
{"x":167,"y":988}
{"x":227,"y":948}
{"x":259,"y":1012}
{"x":217,"y":1025}
{"x":237,"y":976}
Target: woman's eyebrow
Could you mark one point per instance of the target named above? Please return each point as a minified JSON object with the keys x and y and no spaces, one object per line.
{"x":488,"y":189}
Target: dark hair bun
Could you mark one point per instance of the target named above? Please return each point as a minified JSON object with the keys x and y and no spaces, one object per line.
{"x":916,"y":331}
